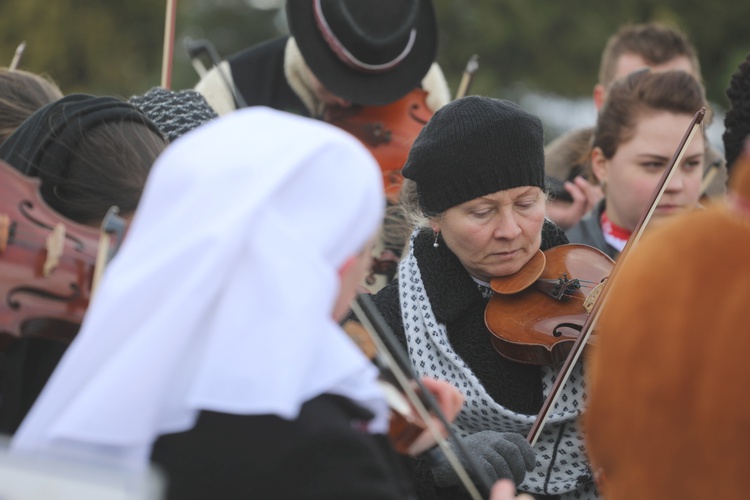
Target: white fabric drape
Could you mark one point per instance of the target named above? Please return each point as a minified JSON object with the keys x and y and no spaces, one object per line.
{"x":221,"y":295}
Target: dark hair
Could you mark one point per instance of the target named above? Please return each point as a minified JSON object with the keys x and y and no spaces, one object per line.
{"x":641,"y":93}
{"x":22,"y":93}
{"x":737,"y":119}
{"x":109,"y":166}
{"x":655,"y":43}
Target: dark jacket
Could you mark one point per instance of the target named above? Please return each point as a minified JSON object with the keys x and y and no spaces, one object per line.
{"x":25,"y":366}
{"x":589,"y":231}
{"x":258,"y":73}
{"x":323,"y":454}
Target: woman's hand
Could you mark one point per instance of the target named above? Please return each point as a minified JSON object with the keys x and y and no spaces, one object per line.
{"x":585,"y":197}
{"x":500,"y":455}
{"x":449,"y":400}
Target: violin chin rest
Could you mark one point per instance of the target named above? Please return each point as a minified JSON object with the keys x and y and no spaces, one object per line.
{"x":521,"y":280}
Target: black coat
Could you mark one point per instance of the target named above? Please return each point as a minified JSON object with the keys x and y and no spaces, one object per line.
{"x":323,"y":454}
{"x":258,"y":73}
{"x":25,"y":365}
{"x":588,"y":231}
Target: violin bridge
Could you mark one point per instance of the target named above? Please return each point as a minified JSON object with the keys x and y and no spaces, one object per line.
{"x":4,"y":232}
{"x":591,"y":298}
{"x":55,"y":245}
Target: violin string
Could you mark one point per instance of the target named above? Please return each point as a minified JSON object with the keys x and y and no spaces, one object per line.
{"x":583,"y":283}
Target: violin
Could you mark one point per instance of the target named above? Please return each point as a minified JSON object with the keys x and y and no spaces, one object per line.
{"x":47,"y":263}
{"x":536,"y":314}
{"x":405,"y":425}
{"x":387,"y":131}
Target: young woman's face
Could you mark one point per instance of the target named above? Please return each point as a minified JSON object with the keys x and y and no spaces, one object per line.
{"x":496,"y":234}
{"x":634,"y":171}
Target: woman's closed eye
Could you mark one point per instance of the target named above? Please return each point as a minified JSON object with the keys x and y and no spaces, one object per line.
{"x":526,"y":204}
{"x":482,"y":214}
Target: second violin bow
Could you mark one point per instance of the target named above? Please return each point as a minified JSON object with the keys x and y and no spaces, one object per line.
{"x":17,"y":56}
{"x":468,"y":77}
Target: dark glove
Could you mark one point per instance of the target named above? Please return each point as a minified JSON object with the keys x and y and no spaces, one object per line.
{"x":501,"y":455}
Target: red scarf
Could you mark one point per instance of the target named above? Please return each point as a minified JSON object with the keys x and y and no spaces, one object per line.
{"x":615,"y":235}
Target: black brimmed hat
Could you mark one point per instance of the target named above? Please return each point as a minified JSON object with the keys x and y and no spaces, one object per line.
{"x":370,"y":52}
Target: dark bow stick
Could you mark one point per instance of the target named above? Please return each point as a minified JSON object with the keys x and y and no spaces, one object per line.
{"x":195,"y":48}
{"x":398,"y":362}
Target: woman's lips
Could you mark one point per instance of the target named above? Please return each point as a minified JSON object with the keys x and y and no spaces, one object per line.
{"x":507,"y":254}
{"x":668,"y":209}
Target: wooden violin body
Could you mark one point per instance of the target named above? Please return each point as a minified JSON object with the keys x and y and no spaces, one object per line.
{"x":539,"y":324}
{"x":46,"y":263}
{"x":387,"y":131}
{"x":405,"y":425}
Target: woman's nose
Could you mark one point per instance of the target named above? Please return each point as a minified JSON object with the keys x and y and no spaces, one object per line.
{"x":507,"y":227}
{"x":677,"y":182}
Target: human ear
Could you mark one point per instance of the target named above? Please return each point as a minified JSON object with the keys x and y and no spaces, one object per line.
{"x":599,"y":165}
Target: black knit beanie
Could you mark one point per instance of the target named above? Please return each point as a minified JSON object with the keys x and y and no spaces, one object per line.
{"x":472,"y":147}
{"x":174,"y":112}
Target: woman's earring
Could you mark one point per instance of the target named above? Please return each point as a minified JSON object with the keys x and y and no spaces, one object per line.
{"x":436,"y":244}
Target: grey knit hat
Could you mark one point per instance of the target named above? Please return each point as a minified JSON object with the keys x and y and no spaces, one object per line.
{"x":174,"y":112}
{"x":472,"y":147}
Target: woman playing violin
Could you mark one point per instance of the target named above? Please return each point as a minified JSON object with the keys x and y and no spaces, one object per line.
{"x":478,"y":169}
{"x":637,"y":130}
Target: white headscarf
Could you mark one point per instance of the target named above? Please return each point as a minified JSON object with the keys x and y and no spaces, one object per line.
{"x":221,"y":297}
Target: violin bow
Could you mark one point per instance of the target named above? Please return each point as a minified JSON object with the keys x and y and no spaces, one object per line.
{"x":591,"y":319}
{"x":709,"y":177}
{"x":170,"y":20}
{"x":17,"y":56}
{"x":380,"y":333}
{"x":468,"y":77}
{"x":195,"y":48}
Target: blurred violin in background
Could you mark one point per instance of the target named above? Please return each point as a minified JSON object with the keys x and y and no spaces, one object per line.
{"x":47,"y":263}
{"x":387,"y":131}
